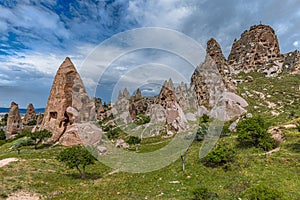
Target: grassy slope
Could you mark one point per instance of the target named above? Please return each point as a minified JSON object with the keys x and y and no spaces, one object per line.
{"x":38,"y":170}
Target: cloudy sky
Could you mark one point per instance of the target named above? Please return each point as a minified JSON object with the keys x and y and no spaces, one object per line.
{"x":37,"y":35}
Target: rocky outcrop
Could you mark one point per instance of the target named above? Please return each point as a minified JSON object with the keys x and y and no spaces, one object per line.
{"x":14,"y":122}
{"x":291,"y":63}
{"x":256,"y":47}
{"x":30,"y":114}
{"x":167,"y":109}
{"x":67,"y":105}
{"x":39,"y":119}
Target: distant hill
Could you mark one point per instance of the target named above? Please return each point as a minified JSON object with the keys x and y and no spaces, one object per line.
{"x":22,"y":110}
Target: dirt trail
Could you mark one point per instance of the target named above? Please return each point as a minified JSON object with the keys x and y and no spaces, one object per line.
{"x":7,"y":161}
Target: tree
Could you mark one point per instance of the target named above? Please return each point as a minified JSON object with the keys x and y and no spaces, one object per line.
{"x":253,"y":132}
{"x":2,"y":135}
{"x":221,"y":155}
{"x":4,"y":120}
{"x":39,"y":136}
{"x":76,"y":157}
{"x":22,"y":142}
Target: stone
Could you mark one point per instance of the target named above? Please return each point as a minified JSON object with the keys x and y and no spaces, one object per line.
{"x":39,"y":119}
{"x":255,"y":47}
{"x":30,"y":114}
{"x":120,"y":143}
{"x":249,"y":79}
{"x":277,"y":135}
{"x":67,"y":106}
{"x":14,"y":122}
{"x":230,"y":106}
{"x":101,"y":150}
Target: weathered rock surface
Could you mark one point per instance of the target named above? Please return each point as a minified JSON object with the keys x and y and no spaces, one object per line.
{"x":30,"y":114}
{"x":39,"y":119}
{"x":256,"y":47}
{"x":14,"y":122}
{"x":67,"y":105}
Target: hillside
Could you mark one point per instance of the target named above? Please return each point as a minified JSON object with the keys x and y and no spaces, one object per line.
{"x":38,"y":172}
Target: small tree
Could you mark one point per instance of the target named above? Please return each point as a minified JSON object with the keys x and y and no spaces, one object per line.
{"x":2,"y":135}
{"x":4,"y":120}
{"x":76,"y":157}
{"x":39,"y":136}
{"x":253,"y":132}
{"x":22,"y":142}
{"x":221,"y":155}
{"x":202,"y":131}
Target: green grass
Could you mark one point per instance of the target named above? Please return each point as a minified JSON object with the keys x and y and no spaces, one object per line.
{"x":284,"y":92}
{"x":40,"y":172}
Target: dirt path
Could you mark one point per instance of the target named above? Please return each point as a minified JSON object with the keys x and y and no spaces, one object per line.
{"x":7,"y":161}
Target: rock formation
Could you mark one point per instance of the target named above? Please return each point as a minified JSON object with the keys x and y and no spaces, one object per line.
{"x":39,"y":119}
{"x":14,"y":122}
{"x":166,"y":109}
{"x":256,"y":47}
{"x":67,"y":105}
{"x":30,"y":114}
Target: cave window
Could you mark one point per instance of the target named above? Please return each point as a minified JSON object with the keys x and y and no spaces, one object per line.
{"x":53,"y":115}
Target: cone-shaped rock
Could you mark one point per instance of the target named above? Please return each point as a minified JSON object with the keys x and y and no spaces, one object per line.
{"x":67,"y":104}
{"x":30,"y":114}
{"x":14,"y":123}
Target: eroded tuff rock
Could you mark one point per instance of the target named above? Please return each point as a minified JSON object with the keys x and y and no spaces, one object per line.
{"x":256,"y":47}
{"x":167,"y":109}
{"x":291,"y":63}
{"x":30,"y":114}
{"x":14,"y":122}
{"x":68,"y":104}
{"x":39,"y":119}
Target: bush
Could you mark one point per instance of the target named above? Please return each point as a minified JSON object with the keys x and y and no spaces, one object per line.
{"x":201,"y":132}
{"x":114,"y":133}
{"x":202,"y":193}
{"x":2,"y":135}
{"x":221,"y":155}
{"x":133,"y":140}
{"x":39,"y":136}
{"x":31,"y":123}
{"x":263,"y":192}
{"x":142,"y":119}
{"x":253,"y":132}
{"x":76,"y":157}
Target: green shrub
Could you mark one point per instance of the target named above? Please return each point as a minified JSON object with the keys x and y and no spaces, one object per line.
{"x":114,"y":133}
{"x":2,"y":142}
{"x":253,"y":132}
{"x":219,"y":156}
{"x":31,"y":122}
{"x":225,"y":129}
{"x":202,"y":131}
{"x":133,"y":140}
{"x":204,"y":118}
{"x":202,"y":193}
{"x":39,"y":136}
{"x":142,"y":119}
{"x":76,"y":157}
{"x":2,"y":135}
{"x":262,"y":192}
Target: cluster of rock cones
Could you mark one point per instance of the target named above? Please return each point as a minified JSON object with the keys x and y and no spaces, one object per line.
{"x":211,"y":91}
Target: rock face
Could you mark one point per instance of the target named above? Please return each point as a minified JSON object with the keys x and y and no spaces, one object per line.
{"x":67,"y":105}
{"x":291,"y":63}
{"x":167,"y":109}
{"x":39,"y":119}
{"x":30,"y":114}
{"x":256,"y":47}
{"x":14,"y":122}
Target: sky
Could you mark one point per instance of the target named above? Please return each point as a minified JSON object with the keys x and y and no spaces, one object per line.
{"x":36,"y":36}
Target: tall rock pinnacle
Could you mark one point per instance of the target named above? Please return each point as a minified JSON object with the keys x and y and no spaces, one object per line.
{"x":67,"y":104}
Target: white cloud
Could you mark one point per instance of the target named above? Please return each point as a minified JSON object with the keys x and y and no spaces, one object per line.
{"x":296,"y":44}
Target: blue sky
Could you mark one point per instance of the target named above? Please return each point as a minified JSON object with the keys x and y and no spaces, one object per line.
{"x":37,"y":35}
